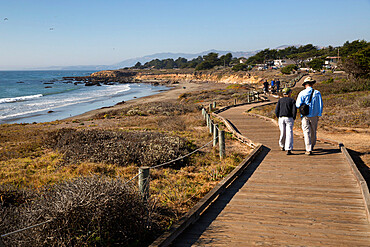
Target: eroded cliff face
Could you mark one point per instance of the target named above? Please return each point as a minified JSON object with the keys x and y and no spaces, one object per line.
{"x":198,"y":77}
{"x":232,"y":78}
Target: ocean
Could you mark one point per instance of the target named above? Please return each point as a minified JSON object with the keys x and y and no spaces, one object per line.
{"x":43,"y":96}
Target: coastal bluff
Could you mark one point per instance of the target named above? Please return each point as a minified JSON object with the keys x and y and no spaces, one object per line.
{"x":166,"y":77}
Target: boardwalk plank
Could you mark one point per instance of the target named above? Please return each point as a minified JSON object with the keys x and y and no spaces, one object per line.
{"x":295,"y":200}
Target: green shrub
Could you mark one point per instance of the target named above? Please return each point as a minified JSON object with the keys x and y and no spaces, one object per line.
{"x":241,"y":66}
{"x":288,"y":69}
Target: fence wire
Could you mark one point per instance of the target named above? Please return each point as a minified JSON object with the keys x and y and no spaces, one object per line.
{"x":127,"y":182}
{"x":26,"y":228}
{"x":182,"y":157}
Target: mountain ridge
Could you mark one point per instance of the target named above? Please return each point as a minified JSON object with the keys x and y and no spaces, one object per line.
{"x":162,"y":55}
{"x":132,"y":61}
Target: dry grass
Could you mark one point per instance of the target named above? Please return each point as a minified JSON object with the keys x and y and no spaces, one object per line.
{"x":223,"y":97}
{"x":39,"y":155}
{"x":90,"y":211}
{"x":123,"y":148}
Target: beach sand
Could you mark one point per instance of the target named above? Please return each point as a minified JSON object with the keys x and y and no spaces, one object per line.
{"x":165,"y":96}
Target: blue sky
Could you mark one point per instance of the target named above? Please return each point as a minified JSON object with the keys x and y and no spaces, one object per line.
{"x":38,"y":33}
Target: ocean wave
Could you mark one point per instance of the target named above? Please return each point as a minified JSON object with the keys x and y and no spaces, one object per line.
{"x":20,"y":98}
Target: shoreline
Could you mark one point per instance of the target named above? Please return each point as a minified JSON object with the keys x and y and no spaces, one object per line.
{"x":168,"y":95}
{"x":63,"y":112}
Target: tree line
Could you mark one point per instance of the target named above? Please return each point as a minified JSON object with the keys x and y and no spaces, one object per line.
{"x":350,"y":51}
{"x":354,"y":55}
{"x":208,"y":61}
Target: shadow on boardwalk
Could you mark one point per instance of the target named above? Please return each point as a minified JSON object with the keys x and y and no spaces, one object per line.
{"x":361,"y":166}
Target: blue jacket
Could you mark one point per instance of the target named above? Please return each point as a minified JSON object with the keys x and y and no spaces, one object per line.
{"x":316,"y":104}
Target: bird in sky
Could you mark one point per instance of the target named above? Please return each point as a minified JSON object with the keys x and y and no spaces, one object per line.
{"x":5,"y":19}
{"x":51,"y":29}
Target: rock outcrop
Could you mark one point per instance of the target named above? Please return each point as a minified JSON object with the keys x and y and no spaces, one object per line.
{"x":108,"y":77}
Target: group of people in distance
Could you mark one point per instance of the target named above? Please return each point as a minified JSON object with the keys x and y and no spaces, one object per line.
{"x":275,"y":86}
{"x":286,"y":111}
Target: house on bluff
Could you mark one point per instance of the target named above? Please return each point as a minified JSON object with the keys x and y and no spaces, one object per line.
{"x":331,"y":62}
{"x":283,"y":62}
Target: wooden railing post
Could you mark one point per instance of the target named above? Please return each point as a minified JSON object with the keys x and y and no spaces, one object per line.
{"x":235,"y":101}
{"x":207,"y":119}
{"x":215,"y":134}
{"x":144,"y":182}
{"x":210,"y":107}
{"x":214,"y":104}
{"x":211,"y":127}
{"x":221,"y":140}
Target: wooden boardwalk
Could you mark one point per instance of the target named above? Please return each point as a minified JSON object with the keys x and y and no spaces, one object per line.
{"x":284,"y":200}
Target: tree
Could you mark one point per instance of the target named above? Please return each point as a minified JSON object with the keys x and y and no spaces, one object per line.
{"x":168,"y":64}
{"x":193,"y":63}
{"x":288,"y":69}
{"x":212,"y":59}
{"x":226,"y":59}
{"x":181,"y":62}
{"x":358,"y":64}
{"x":204,"y":65}
{"x":316,"y":64}
{"x":241,"y":66}
{"x":138,"y":65}
{"x":156,"y":63}
{"x":353,"y":47}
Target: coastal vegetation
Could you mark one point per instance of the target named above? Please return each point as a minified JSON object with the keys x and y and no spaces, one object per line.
{"x":77,"y":172}
{"x":355,"y":60}
{"x":208,"y":61}
{"x":301,"y":53}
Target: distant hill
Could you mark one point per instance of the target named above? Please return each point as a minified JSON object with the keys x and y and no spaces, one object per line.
{"x":160,"y":56}
{"x":132,"y":61}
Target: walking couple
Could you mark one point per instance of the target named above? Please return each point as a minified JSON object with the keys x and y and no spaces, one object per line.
{"x":286,"y":111}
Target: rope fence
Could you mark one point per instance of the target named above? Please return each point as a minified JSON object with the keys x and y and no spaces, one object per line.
{"x":143,"y":174}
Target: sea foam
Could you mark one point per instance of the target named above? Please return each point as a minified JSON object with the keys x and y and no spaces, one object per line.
{"x":20,"y":98}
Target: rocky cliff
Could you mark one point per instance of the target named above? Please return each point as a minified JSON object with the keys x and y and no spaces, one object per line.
{"x":240,"y":78}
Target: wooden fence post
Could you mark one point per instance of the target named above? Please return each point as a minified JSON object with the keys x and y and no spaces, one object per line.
{"x":210,"y":107}
{"x":210,"y":126}
{"x":221,"y":140}
{"x":235,"y":101}
{"x":249,"y":100}
{"x":215,"y":134}
{"x":207,"y":119}
{"x":144,"y":182}
{"x":214,"y":105}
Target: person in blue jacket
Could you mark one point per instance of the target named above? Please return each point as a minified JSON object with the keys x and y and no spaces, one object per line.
{"x":272,"y":86}
{"x":310,"y":121}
